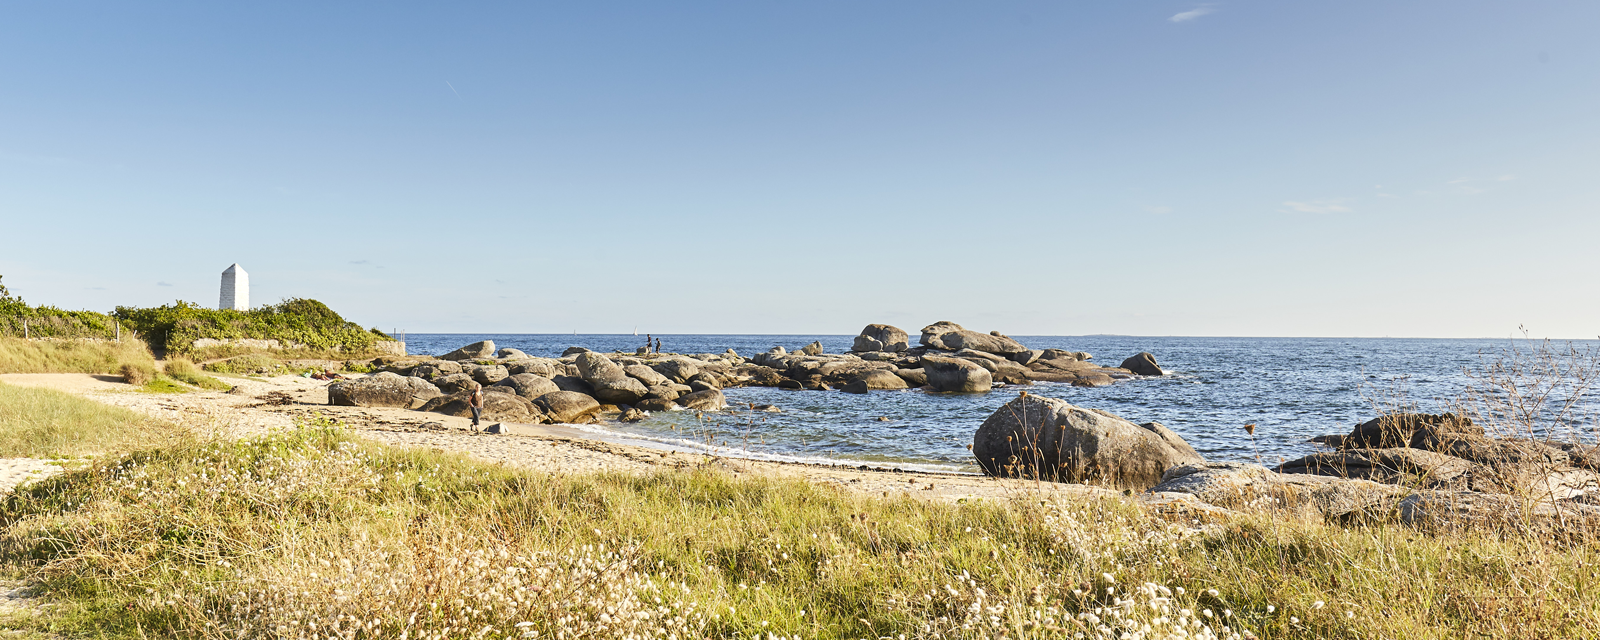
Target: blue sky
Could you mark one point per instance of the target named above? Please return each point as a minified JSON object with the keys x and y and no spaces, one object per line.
{"x":1155,"y":168}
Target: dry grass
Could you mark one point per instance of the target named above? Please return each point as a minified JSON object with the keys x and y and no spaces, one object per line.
{"x":43,"y":423}
{"x":185,"y":371}
{"x":70,"y":356}
{"x":313,"y":534}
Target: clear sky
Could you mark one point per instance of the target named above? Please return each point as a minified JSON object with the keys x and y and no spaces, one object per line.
{"x":1247,"y":168}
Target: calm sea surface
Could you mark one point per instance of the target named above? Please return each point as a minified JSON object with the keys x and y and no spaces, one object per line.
{"x":1292,"y":388}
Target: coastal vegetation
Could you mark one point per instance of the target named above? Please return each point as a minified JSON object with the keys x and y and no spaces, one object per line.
{"x":296,"y":327}
{"x":18,"y":319}
{"x":314,"y":533}
{"x":72,"y":356}
{"x":44,"y":423}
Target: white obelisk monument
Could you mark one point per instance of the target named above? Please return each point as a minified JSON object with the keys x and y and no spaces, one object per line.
{"x":235,"y":289}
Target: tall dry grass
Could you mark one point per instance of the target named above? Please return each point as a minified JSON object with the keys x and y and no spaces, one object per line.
{"x":70,"y":356}
{"x":40,"y":423}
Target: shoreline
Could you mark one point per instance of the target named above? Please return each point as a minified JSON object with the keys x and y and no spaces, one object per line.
{"x":254,"y":409}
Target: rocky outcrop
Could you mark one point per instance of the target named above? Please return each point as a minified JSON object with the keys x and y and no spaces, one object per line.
{"x":543,"y":367}
{"x":487,"y":374}
{"x":656,"y":404}
{"x":509,"y":353}
{"x":881,"y":380}
{"x":914,"y":377}
{"x":952,"y":337}
{"x":528,"y":385}
{"x":611,"y":382}
{"x":678,"y":371}
{"x":568,"y":407}
{"x":1237,"y":485}
{"x":956,"y":376}
{"x":1143,"y":364}
{"x":453,"y":383}
{"x":813,"y":349}
{"x":709,"y":400}
{"x":1414,"y":430}
{"x":645,"y":375}
{"x":1046,"y":438}
{"x":881,"y":337}
{"x":436,"y":369}
{"x":496,"y":406}
{"x":475,"y":351}
{"x":382,"y":390}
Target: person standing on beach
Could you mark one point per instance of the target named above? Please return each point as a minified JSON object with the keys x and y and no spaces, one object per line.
{"x":475,"y":401}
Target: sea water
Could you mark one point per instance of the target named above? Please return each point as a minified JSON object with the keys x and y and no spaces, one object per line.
{"x":1291,"y":388}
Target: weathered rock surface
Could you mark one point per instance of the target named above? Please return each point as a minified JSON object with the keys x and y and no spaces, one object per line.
{"x":509,"y":353}
{"x":543,"y":367}
{"x":952,"y":337}
{"x":1414,"y":430}
{"x":489,"y":374}
{"x":453,"y":383}
{"x":382,"y":390}
{"x":496,"y":406}
{"x":435,"y":369}
{"x":568,"y":407}
{"x":913,"y":377}
{"x":881,"y":380}
{"x":528,"y":385}
{"x":1055,"y":440}
{"x":573,"y":384}
{"x":881,"y":337}
{"x":813,"y":349}
{"x":1143,"y":364}
{"x":709,"y":400}
{"x":1239,"y":485}
{"x":956,"y":376}
{"x":474,"y":351}
{"x":645,"y":374}
{"x":656,"y":404}
{"x":678,"y":371}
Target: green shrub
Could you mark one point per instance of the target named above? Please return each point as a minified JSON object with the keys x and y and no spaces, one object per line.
{"x":18,"y":319}
{"x":298,"y":324}
{"x":183,"y":370}
{"x":250,"y":364}
{"x":163,"y":385}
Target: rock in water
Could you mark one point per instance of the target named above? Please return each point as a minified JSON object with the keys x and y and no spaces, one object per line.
{"x":855,"y":386}
{"x":472,"y":351}
{"x":656,"y":404}
{"x":529,"y":386}
{"x":611,"y":382}
{"x":879,"y":380}
{"x":708,"y":400}
{"x":1054,"y":440}
{"x":1143,"y":364}
{"x":952,"y":337}
{"x":568,"y":407}
{"x":645,"y":374}
{"x":956,"y":376}
{"x":382,"y":390}
{"x":881,"y":337}
{"x":913,"y":377}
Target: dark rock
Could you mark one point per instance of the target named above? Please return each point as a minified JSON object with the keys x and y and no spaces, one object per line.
{"x":1414,"y":430}
{"x":632,"y":415}
{"x":382,"y":390}
{"x":709,"y":400}
{"x":1026,"y":358}
{"x":572,"y":351}
{"x":699,"y":384}
{"x":790,"y":384}
{"x":508,"y":352}
{"x":1143,"y":364}
{"x":1329,"y":441}
{"x":1412,"y":467}
{"x":568,"y":407}
{"x":656,"y":404}
{"x":474,"y":351}
{"x":1054,"y":440}
{"x":956,"y":376}
{"x":573,"y":384}
{"x":858,"y":386}
{"x":528,"y":385}
{"x":1092,"y":380}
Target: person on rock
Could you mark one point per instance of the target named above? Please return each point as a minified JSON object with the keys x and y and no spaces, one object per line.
{"x":658,"y":345}
{"x":475,"y":401}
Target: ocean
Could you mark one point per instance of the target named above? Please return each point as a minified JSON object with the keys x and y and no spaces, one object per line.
{"x":1291,"y":388}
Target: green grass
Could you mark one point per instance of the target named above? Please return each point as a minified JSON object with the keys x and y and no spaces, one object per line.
{"x":249,"y":364}
{"x":185,"y":371}
{"x":163,"y":385}
{"x":260,"y":538}
{"x":43,"y":423}
{"x":70,"y":356}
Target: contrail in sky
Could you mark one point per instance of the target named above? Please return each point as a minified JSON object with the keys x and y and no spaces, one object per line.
{"x":452,"y":88}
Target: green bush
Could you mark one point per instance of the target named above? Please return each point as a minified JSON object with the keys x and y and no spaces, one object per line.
{"x":70,"y":356}
{"x":138,"y":374}
{"x":250,"y":364}
{"x":297,"y":323}
{"x":17,"y":319}
{"x":163,"y":385}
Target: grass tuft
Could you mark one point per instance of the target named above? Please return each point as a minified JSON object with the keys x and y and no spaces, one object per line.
{"x":47,"y":423}
{"x":185,"y":371}
{"x":71,"y":356}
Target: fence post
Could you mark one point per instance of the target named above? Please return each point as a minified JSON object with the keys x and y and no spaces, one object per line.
{"x":24,"y":328}
{"x":119,"y":330}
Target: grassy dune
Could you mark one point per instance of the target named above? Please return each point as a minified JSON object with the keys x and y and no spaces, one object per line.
{"x":70,"y":356}
{"x":313,"y":533}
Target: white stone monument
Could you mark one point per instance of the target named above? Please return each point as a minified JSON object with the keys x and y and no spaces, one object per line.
{"x":235,"y":289}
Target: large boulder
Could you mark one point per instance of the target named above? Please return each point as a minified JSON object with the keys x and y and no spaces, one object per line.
{"x":913,"y":377}
{"x":543,"y":367}
{"x":881,"y":380}
{"x":382,"y":390}
{"x":656,"y":404}
{"x":645,"y":374}
{"x":528,"y":385}
{"x":1143,"y":364}
{"x":708,"y":400}
{"x":510,"y":354}
{"x":568,"y":407}
{"x":474,"y":351}
{"x":489,"y":374}
{"x":881,"y":337}
{"x":1046,"y":438}
{"x":1411,"y":467}
{"x":624,"y":390}
{"x":952,"y":337}
{"x":496,"y":406}
{"x":676,"y":370}
{"x":956,"y":376}
{"x":453,"y":383}
{"x":435,"y":369}
{"x":573,"y":384}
